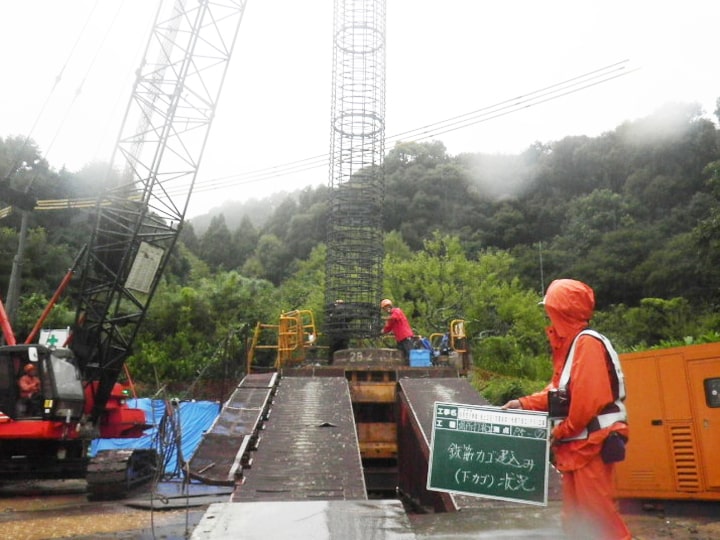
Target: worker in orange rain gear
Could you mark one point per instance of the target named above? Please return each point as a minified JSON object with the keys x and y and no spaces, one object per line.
{"x":29,"y":389}
{"x":595,"y":427}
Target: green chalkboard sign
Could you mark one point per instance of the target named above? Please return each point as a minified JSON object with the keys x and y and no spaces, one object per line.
{"x":489,"y":452}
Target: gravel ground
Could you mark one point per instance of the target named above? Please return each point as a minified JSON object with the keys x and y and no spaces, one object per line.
{"x":40,"y":512}
{"x":60,"y":509}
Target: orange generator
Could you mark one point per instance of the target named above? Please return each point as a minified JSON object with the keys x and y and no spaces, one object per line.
{"x":673,"y":403}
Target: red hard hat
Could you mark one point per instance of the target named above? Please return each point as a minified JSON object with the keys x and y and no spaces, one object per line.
{"x":29,"y":367}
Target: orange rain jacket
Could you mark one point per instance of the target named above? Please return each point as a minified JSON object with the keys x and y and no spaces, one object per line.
{"x":570,"y":305}
{"x":29,"y":386}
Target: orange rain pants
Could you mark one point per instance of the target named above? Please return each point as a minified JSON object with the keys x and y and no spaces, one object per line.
{"x":589,"y":511}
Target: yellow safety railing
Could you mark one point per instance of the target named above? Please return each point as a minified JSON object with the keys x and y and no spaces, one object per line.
{"x":457,"y":338}
{"x":290,"y":339}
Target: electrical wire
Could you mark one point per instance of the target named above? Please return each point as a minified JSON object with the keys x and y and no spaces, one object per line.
{"x":536,"y":97}
{"x":428,"y":131}
{"x":484,"y":114}
{"x":58,"y":78}
{"x":78,"y":90}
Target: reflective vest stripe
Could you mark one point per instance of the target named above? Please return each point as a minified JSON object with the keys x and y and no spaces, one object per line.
{"x":602,"y":420}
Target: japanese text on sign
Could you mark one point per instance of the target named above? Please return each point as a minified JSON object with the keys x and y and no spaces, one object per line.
{"x":489,"y":452}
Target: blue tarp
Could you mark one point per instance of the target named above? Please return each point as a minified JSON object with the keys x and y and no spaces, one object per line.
{"x":196,"y":417}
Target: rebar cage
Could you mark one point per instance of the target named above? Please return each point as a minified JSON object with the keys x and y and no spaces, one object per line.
{"x":354,"y":272}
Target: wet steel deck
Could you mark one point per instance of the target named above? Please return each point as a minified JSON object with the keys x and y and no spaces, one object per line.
{"x":421,"y":395}
{"x":316,"y":520}
{"x":308,"y":448}
{"x":225,"y":447}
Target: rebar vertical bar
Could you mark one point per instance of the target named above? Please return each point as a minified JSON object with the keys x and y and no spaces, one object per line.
{"x":354,"y":272}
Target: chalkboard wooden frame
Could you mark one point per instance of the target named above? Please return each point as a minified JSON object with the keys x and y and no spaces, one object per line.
{"x":489,"y":452}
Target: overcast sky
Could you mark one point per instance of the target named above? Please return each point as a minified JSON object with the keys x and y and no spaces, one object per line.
{"x":66,"y":81}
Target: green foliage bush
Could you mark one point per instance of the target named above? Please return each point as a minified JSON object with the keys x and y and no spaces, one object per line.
{"x":651,"y":323}
{"x":499,"y":390}
{"x":506,"y":356}
{"x":472,"y":237}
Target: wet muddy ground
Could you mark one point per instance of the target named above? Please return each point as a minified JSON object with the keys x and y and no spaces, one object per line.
{"x":60,"y":509}
{"x":43,"y":511}
{"x":530,"y":523}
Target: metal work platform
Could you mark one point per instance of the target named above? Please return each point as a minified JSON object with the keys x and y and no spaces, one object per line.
{"x":309,"y":447}
{"x":421,"y":395}
{"x":223,"y":451}
{"x":312,"y":460}
{"x":318,"y":520}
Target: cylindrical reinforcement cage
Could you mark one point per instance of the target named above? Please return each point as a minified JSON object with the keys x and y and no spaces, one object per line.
{"x":355,"y":237}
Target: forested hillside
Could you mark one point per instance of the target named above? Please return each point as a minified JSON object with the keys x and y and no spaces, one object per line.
{"x":630,"y":211}
{"x":634,"y":212}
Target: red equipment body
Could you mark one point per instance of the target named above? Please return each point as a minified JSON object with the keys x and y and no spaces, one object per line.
{"x":138,"y":219}
{"x":120,"y":421}
{"x":48,"y":435}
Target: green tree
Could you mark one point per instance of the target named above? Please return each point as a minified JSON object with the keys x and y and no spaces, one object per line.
{"x":591,"y":216}
{"x":426,"y":190}
{"x":440,"y":283}
{"x":189,"y":238}
{"x":395,"y":247}
{"x":244,"y":240}
{"x":304,"y":288}
{"x":185,"y":325}
{"x":216,"y":245}
{"x":307,"y":229}
{"x":508,"y":226}
{"x":432,"y":284}
{"x":655,"y":320}
{"x":269,"y":260}
{"x":706,"y":236}
{"x":279,"y":221}
{"x":32,"y":306}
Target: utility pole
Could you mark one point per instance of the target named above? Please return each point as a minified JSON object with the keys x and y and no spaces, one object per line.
{"x":542,"y":276}
{"x":13,"y":295}
{"x":24,"y":203}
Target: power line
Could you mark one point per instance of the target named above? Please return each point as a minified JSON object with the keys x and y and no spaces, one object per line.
{"x":484,"y":114}
{"x":455,"y":123}
{"x":522,"y":102}
{"x":79,"y":89}
{"x":58,"y":78}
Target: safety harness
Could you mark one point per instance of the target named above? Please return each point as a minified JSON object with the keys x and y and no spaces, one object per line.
{"x":614,"y":412}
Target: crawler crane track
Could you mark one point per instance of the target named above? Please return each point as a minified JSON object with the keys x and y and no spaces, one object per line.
{"x":111,"y":474}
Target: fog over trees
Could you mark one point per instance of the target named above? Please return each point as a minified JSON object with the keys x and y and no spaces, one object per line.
{"x":634,"y":212}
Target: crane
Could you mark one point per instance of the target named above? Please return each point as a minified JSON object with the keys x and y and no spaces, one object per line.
{"x":137,"y":221}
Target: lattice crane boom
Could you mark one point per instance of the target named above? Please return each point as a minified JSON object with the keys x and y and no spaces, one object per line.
{"x":159,"y":149}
